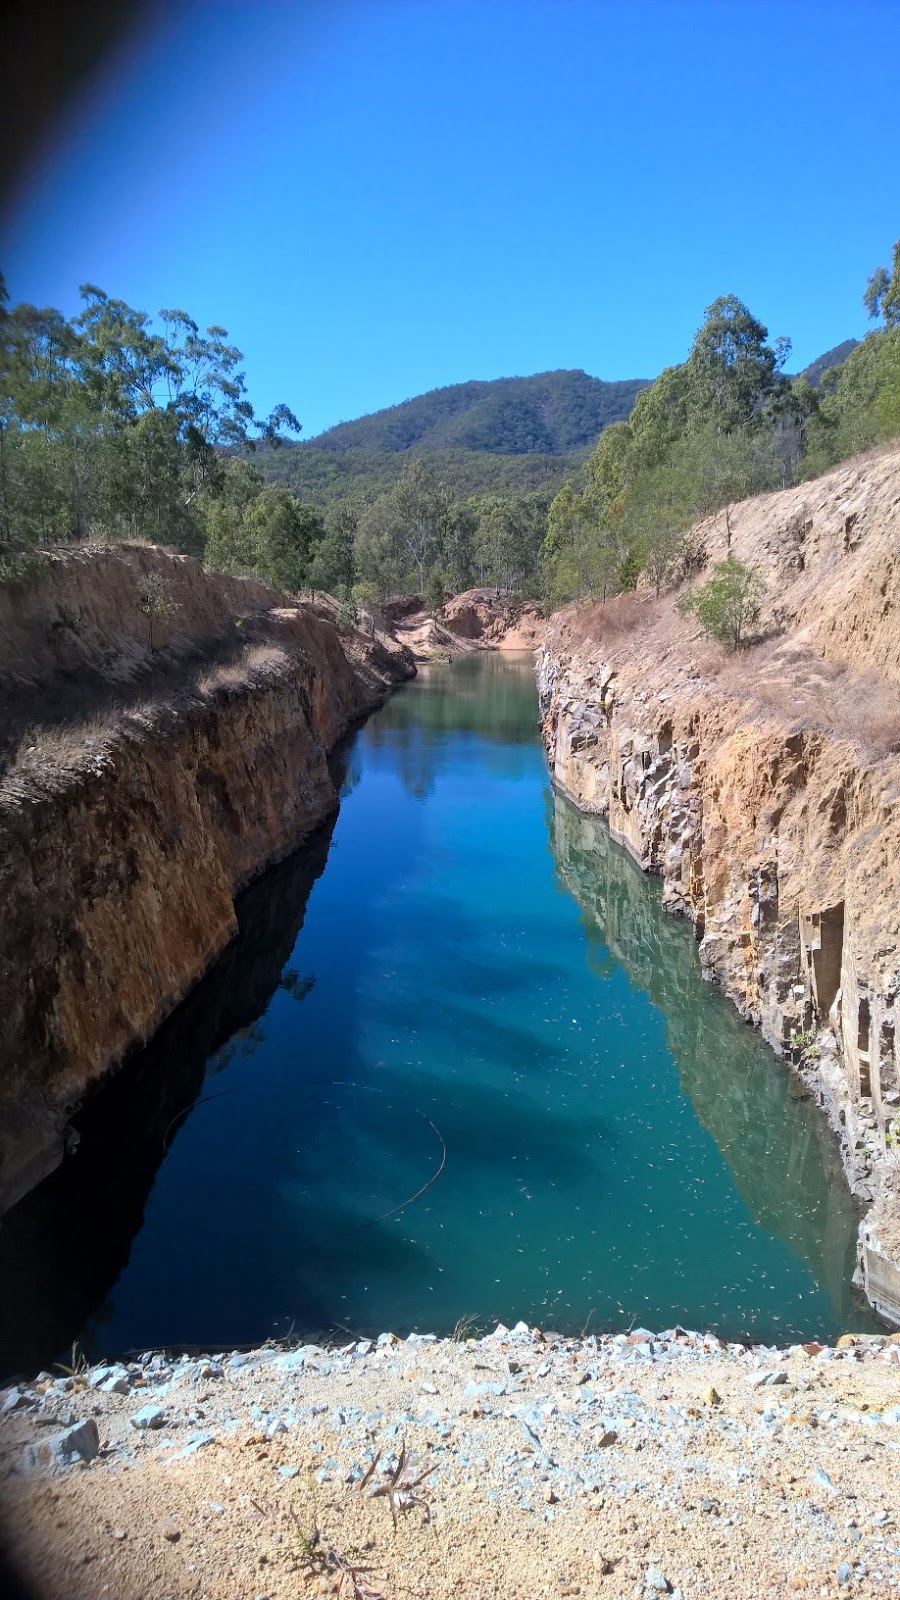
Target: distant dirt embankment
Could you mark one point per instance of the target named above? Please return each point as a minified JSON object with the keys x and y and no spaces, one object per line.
{"x":765,"y":788}
{"x":165,"y":735}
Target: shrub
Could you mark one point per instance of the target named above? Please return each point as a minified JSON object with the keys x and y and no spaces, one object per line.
{"x":728,"y":604}
{"x":347,"y":615}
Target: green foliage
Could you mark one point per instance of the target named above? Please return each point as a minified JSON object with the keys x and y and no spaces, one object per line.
{"x":436,"y":591}
{"x":860,"y":404}
{"x":882,"y":296}
{"x":550,"y":413}
{"x":705,"y":434}
{"x":728,"y":604}
{"x":333,"y":565}
{"x":348,"y":615}
{"x":111,"y":425}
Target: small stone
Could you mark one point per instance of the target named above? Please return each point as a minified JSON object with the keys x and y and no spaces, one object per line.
{"x":78,"y":1443}
{"x":711,"y":1397}
{"x":117,"y":1382}
{"x":119,"y":1533}
{"x":550,"y":1495}
{"x":760,"y":1380}
{"x":170,"y":1530}
{"x":844,"y":1572}
{"x":822,"y":1480}
{"x":605,"y":1437}
{"x":657,"y":1581}
{"x":148,"y":1417}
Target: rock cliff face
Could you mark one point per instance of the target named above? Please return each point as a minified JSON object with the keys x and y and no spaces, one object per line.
{"x":767,"y":794}
{"x":124,"y":840}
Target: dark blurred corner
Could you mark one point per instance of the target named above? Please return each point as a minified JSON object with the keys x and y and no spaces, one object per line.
{"x":49,"y":49}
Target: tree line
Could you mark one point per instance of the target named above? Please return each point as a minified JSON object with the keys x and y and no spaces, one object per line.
{"x":113,"y":425}
{"x":725,"y":424}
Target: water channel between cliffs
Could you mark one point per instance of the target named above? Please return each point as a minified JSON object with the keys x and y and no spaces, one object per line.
{"x":464,"y":964}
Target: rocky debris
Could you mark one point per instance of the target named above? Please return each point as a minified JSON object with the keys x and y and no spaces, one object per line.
{"x":522,"y":1463}
{"x":496,"y":622}
{"x":80,"y":1442}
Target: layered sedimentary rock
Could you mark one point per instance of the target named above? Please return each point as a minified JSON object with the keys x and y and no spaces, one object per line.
{"x":767,"y":794}
{"x":124,"y":840}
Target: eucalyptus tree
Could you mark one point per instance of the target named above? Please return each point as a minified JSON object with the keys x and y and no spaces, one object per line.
{"x":111,"y":423}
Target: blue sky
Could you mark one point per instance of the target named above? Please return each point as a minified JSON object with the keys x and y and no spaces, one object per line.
{"x":378,"y":198}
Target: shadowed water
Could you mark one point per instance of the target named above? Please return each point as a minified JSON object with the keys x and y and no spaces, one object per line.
{"x":482,"y":990}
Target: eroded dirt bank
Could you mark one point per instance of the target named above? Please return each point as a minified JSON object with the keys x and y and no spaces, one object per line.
{"x":766,"y":791}
{"x":147,"y":780}
{"x":521,"y":1465}
{"x":477,"y":619}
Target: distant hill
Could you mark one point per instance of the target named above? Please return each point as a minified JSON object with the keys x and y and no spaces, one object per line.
{"x":548,"y":414}
{"x":831,"y":358}
{"x":511,"y":433}
{"x":526,"y":434}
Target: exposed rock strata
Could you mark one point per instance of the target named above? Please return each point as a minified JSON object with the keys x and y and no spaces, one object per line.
{"x":775,"y":834}
{"x":495,"y":621}
{"x":121,"y":852}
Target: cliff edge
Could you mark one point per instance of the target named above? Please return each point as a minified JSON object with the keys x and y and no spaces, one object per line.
{"x":765,"y":788}
{"x":165,"y":738}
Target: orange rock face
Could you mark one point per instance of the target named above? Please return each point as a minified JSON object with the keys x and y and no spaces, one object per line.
{"x":121,"y":852}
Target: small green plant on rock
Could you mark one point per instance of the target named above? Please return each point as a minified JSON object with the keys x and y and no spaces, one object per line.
{"x":347,"y":616}
{"x":728,"y":605}
{"x":803,"y":1046}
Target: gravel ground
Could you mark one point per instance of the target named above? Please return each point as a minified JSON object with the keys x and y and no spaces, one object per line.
{"x":520,"y":1465}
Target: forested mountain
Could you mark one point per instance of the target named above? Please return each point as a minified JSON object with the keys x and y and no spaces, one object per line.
{"x":517,"y":434}
{"x":550,"y":413}
{"x":831,"y":358}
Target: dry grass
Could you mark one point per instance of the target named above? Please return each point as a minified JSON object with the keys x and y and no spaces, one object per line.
{"x":236,"y":674}
{"x":601,"y":621}
{"x":811,"y":693}
{"x":780,"y":676}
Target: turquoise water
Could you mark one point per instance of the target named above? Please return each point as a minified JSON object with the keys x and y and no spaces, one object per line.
{"x":484,"y":1002}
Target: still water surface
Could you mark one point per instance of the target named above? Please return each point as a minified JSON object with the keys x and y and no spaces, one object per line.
{"x":467,"y":978}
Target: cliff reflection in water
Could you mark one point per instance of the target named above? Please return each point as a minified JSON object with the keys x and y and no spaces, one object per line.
{"x":777,"y":1161}
{"x":65,"y":1245}
{"x":487,"y":696}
